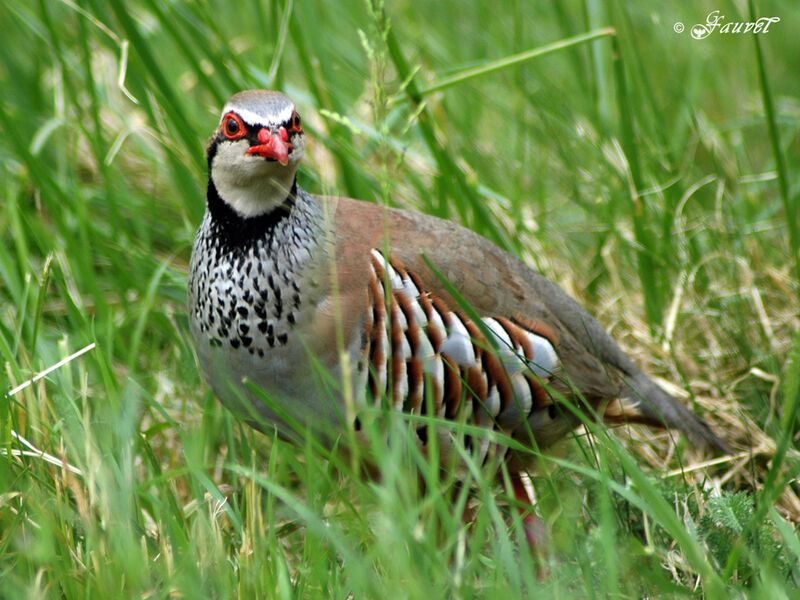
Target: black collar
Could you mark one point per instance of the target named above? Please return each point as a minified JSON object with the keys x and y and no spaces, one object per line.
{"x":236,"y":230}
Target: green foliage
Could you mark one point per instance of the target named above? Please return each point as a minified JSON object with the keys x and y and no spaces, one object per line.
{"x":722,"y":525}
{"x":791,"y":383}
{"x":653,"y":176}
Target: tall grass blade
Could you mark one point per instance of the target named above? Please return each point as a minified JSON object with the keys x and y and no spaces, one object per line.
{"x":512,"y":61}
{"x":791,"y":209}
{"x":649,"y":276}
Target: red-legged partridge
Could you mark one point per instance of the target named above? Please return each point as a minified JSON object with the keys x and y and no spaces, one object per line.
{"x":283,"y":283}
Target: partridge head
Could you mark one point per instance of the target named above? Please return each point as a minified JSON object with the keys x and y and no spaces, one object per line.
{"x":254,"y":155}
{"x":284,"y":284}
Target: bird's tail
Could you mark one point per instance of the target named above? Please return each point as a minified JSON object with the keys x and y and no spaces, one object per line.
{"x":643,"y":401}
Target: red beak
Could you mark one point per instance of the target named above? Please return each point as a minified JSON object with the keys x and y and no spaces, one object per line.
{"x":274,"y":144}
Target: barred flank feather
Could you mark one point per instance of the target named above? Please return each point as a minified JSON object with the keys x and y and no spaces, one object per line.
{"x":417,"y":345}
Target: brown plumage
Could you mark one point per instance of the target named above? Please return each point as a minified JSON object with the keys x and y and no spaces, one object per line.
{"x":497,"y":284}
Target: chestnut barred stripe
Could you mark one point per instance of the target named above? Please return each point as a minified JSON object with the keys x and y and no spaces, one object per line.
{"x":418,"y":348}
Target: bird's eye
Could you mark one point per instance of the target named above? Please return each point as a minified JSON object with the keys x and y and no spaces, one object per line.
{"x":233,"y":127}
{"x":296,"y":123}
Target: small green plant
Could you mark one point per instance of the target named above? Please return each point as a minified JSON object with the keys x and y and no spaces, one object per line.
{"x":724,"y":520}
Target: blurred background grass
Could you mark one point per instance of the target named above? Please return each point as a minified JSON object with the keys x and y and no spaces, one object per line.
{"x":653,"y":176}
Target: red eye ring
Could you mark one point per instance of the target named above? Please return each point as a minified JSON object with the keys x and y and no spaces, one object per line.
{"x":233,"y":126}
{"x":296,"y":127}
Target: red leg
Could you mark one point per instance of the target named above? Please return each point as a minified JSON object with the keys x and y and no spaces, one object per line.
{"x":535,"y":531}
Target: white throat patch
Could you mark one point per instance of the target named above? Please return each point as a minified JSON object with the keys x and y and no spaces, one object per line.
{"x":250,"y":185}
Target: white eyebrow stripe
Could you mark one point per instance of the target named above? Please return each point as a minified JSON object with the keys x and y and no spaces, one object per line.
{"x":255,"y":119}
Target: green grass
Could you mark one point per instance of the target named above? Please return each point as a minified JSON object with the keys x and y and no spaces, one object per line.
{"x":655,"y":177}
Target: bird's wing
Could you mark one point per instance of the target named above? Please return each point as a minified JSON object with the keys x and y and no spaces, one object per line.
{"x":496,"y":284}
